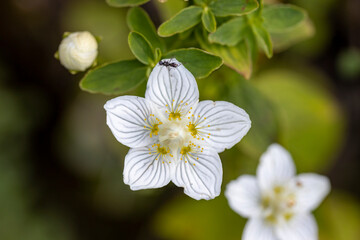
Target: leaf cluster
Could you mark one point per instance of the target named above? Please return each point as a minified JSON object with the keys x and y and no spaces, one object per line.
{"x":222,"y":31}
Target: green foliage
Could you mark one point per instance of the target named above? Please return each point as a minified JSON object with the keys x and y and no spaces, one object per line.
{"x":230,"y":33}
{"x":237,"y":57}
{"x":287,"y":25}
{"x":223,"y":8}
{"x":148,"y":48}
{"x":182,"y":21}
{"x":208,"y":20}
{"x":114,"y":78}
{"x":194,"y":59}
{"x":202,"y":2}
{"x":139,"y":21}
{"x":283,"y":40}
{"x":141,"y":48}
{"x":263,"y":39}
{"x":281,"y":17}
{"x":246,"y":27}
{"x":125,"y":3}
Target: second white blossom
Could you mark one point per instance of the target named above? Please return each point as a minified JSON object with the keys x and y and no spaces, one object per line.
{"x":277,"y":202}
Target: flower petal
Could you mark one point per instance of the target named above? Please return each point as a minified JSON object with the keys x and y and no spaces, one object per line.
{"x":143,"y":170}
{"x":257,"y":229}
{"x":128,"y":118}
{"x":300,"y":227}
{"x":311,"y":189}
{"x":220,"y":124}
{"x":244,"y":196}
{"x":173,"y":89}
{"x":276,"y":168}
{"x":200,"y":174}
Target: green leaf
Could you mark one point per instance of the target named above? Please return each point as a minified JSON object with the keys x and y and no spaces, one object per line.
{"x":198,"y":62}
{"x":139,"y":21}
{"x":114,"y":78}
{"x":182,"y":21}
{"x":282,"y":17}
{"x":222,"y":8}
{"x":158,"y":55}
{"x":186,"y":34}
{"x":283,"y":40}
{"x":202,"y":3}
{"x":208,"y":20}
{"x":263,"y":39}
{"x":237,"y":57}
{"x":230,"y":33}
{"x":125,"y":3}
{"x":141,"y":48}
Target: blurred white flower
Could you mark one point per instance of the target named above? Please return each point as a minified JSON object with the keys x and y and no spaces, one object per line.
{"x":172,"y":136}
{"x":78,"y":51}
{"x":278,"y":202}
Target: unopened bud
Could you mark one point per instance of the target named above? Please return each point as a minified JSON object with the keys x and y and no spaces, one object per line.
{"x":78,"y":51}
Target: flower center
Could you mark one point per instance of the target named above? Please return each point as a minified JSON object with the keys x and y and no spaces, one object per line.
{"x":278,"y":205}
{"x":173,"y":134}
{"x":178,"y":136}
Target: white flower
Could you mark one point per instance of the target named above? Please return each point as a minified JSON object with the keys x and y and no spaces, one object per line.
{"x":172,"y":136}
{"x":278,"y":202}
{"x":78,"y":51}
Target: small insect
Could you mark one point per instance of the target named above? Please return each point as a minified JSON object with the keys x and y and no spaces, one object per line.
{"x":168,"y":64}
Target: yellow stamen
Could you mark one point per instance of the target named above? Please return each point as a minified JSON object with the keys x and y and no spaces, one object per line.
{"x":174,"y":116}
{"x":185,"y":150}
{"x":192,"y":129}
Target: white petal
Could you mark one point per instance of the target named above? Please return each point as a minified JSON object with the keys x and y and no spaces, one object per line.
{"x":143,"y":170}
{"x":127,"y":116}
{"x":200,"y":174}
{"x":311,"y":189}
{"x":220,"y":124}
{"x":276,"y":168}
{"x":300,"y":227}
{"x":257,"y":229}
{"x":244,"y":196}
{"x":173,"y":89}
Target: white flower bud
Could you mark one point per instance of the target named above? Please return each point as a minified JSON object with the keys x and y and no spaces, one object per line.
{"x":78,"y":51}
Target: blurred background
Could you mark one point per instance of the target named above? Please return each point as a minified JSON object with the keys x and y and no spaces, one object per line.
{"x":61,"y":168}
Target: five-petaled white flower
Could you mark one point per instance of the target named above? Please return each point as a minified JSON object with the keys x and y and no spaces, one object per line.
{"x":173,"y":136}
{"x":278,"y":203}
